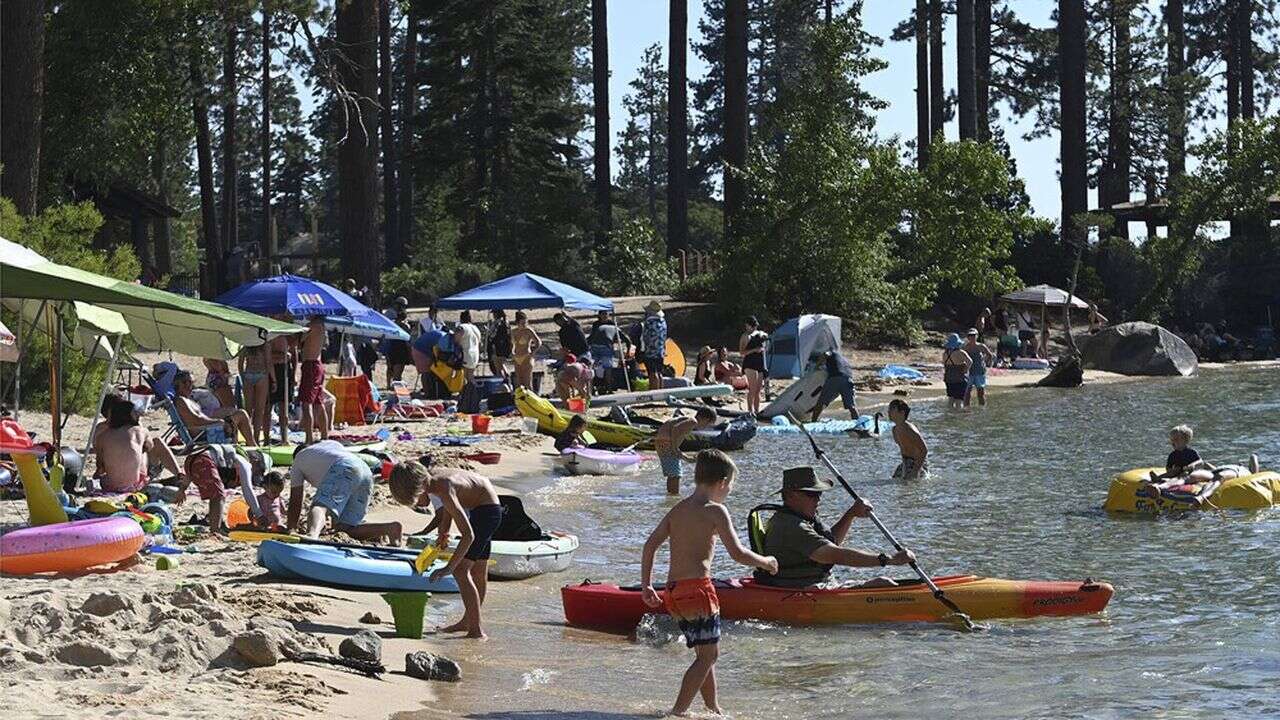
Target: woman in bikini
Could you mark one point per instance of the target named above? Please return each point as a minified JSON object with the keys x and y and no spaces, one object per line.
{"x":524,"y":343}
{"x":255,"y":380}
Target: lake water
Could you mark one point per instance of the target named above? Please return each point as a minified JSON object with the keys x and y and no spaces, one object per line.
{"x":1193,"y":630}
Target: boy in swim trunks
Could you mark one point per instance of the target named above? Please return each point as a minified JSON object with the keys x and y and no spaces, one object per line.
{"x":470,"y":501}
{"x":670,"y":437}
{"x":311,"y":388}
{"x":915,"y":453}
{"x":692,"y":527}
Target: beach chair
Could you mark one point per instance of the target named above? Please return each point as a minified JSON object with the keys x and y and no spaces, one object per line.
{"x":189,"y":439}
{"x":403,"y":405}
{"x":354,"y":399}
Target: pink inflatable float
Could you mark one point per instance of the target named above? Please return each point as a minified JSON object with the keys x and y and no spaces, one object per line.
{"x":69,"y":546}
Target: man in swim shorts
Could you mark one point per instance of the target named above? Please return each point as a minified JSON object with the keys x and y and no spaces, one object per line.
{"x":125,"y":450}
{"x":343,"y":484}
{"x":310,"y":389}
{"x":468,"y":500}
{"x":671,"y":436}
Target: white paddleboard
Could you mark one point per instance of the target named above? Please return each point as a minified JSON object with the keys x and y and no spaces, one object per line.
{"x":656,"y":396}
{"x":800,"y":398}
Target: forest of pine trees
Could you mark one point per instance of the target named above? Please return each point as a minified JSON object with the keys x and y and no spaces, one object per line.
{"x":436,"y":145}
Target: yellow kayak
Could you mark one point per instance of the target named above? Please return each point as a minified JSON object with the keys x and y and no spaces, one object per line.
{"x":1251,"y":492}
{"x":553,"y":422}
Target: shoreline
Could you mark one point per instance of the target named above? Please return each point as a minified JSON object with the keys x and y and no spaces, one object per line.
{"x":48,"y":659}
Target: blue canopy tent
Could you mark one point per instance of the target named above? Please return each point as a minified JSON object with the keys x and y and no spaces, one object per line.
{"x":525,"y":291}
{"x":303,"y":297}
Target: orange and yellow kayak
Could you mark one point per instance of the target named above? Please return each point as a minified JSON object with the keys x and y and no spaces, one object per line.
{"x":620,"y":609}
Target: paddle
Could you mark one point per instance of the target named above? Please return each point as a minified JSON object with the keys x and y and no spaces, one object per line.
{"x":937,"y":592}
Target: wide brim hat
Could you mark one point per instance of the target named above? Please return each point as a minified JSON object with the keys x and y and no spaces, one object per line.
{"x":953,"y":342}
{"x":804,"y":479}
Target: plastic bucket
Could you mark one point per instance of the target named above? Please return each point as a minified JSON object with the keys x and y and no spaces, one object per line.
{"x":408,"y":609}
{"x":530,"y":425}
{"x":238,"y":513}
{"x":576,"y":404}
{"x":479,"y":424}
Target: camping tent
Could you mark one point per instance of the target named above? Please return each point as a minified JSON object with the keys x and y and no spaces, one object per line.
{"x":525,"y":291}
{"x":797,"y":340}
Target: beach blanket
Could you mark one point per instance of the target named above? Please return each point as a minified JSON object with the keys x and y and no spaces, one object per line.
{"x":900,"y":372}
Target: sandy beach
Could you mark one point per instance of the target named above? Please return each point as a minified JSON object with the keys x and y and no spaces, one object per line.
{"x":111,"y":641}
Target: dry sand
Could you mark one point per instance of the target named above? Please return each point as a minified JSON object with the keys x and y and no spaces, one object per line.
{"x":134,"y":640}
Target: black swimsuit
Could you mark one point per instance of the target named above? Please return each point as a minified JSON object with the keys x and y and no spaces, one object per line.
{"x":754,"y":361}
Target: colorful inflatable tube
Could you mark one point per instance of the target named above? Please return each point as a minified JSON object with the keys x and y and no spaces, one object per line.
{"x":69,"y":546}
{"x":1251,"y":492}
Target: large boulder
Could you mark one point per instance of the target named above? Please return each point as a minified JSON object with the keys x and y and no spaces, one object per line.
{"x":1139,"y":348}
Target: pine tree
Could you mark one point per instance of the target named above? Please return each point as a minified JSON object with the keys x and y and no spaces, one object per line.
{"x":735,"y":126}
{"x":1072,"y":57}
{"x":642,"y":147}
{"x":600,"y":99}
{"x":22,"y":101}
{"x":966,"y":88}
{"x":356,"y":31}
{"x":678,"y":128}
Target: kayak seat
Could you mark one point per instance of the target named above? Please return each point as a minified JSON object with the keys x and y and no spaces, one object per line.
{"x":516,"y":524}
{"x":756,"y":526}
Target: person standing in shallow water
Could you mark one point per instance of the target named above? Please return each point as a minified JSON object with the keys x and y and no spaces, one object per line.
{"x":751,"y":345}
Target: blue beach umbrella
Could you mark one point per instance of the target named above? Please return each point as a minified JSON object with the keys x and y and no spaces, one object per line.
{"x":302,"y":297}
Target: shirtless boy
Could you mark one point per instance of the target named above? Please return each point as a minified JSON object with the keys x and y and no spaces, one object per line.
{"x":123,"y":449}
{"x":915,"y":452}
{"x":469,"y":500}
{"x":311,"y":387}
{"x":692,"y":526}
{"x":525,"y":342}
{"x":670,"y":437}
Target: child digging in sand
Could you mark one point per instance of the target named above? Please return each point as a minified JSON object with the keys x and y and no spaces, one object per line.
{"x":270,"y":502}
{"x":915,"y":453}
{"x":692,"y":527}
{"x":469,"y":500}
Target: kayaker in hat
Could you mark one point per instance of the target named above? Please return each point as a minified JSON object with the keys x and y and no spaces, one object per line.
{"x":805,"y":548}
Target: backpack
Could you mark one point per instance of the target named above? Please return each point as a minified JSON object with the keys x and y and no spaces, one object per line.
{"x":516,"y":524}
{"x":469,"y":399}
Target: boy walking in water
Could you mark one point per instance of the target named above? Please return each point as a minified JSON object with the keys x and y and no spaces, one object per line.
{"x":469,"y":500}
{"x":669,"y":438}
{"x":692,"y":527}
{"x":915,"y":452}
{"x":310,"y":389}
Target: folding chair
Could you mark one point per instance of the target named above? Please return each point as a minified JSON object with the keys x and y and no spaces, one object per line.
{"x":209,"y":434}
{"x":403,"y":405}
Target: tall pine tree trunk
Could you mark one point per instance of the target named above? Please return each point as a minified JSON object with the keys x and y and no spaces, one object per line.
{"x":1175,"y":69}
{"x":230,"y":160}
{"x":965,"y":88}
{"x":1113,"y":186}
{"x":1231,"y":38}
{"x":600,"y":98}
{"x":21,"y":100}
{"x":213,"y":248}
{"x":678,"y":129}
{"x":1244,"y":51}
{"x":390,"y":194}
{"x":922,"y":84}
{"x":408,"y":111}
{"x":161,"y":226}
{"x":356,"y":25}
{"x":735,"y":114}
{"x":268,"y":238}
{"x":982,"y":66}
{"x":1071,"y":85}
{"x":937,"y":96}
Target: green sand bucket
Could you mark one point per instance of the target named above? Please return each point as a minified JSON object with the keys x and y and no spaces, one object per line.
{"x":408,"y":609}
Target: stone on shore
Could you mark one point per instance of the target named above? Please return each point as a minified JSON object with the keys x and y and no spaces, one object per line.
{"x":257,"y":648}
{"x":428,"y":666}
{"x":364,"y":645}
{"x":1139,"y":348}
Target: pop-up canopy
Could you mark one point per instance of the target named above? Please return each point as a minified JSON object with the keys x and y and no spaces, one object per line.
{"x":525,"y":291}
{"x":157,"y":319}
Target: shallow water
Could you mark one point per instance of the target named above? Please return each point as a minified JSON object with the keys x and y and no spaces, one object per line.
{"x":1193,"y":630}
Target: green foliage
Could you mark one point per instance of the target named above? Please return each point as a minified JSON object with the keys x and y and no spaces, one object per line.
{"x":1239,"y":171}
{"x":435,"y":268}
{"x":63,"y":234}
{"x":962,"y":226}
{"x":635,"y":262}
{"x":703,"y":287}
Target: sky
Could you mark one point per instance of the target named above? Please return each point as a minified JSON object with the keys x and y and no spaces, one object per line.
{"x":637,"y":24}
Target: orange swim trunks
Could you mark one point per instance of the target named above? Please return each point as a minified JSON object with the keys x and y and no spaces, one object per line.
{"x":694,"y":604}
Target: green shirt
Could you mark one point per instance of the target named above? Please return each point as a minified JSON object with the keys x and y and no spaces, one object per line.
{"x":792,"y":539}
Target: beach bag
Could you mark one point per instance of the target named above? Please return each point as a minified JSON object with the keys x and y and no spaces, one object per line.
{"x":469,"y":399}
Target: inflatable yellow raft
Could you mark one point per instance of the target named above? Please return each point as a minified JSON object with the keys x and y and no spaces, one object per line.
{"x":553,"y":422}
{"x":1251,"y":492}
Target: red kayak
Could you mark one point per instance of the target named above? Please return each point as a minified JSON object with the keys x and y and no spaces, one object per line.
{"x":619,"y":609}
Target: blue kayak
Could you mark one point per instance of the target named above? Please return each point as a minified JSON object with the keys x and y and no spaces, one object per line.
{"x":363,"y":569}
